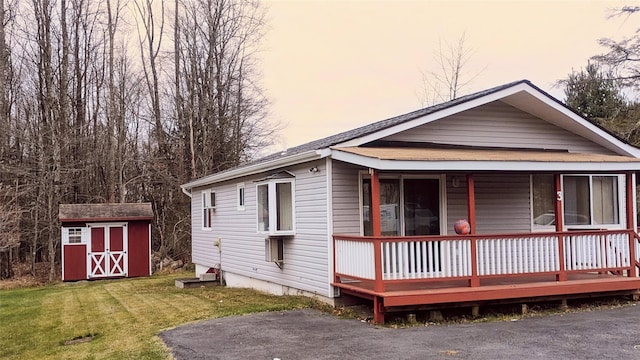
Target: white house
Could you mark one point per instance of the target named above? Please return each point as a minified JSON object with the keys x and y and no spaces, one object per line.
{"x":549,"y":195}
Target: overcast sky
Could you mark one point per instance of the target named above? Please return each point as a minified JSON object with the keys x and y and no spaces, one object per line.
{"x":330,"y":66}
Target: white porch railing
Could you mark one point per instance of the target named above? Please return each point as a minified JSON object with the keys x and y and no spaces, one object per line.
{"x":476,"y":256}
{"x":521,"y":255}
{"x":360,"y":263}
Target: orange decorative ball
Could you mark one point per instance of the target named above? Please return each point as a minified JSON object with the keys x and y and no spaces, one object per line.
{"x":462,"y":227}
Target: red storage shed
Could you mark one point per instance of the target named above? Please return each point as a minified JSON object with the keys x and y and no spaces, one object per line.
{"x":105,"y":240}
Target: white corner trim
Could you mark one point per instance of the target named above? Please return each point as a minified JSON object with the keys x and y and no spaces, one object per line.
{"x":329,"y":195}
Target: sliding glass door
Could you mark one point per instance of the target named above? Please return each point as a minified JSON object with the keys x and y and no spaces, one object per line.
{"x":409,"y":206}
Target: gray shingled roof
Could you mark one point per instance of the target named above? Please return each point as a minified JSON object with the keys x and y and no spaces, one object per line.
{"x":387,"y":123}
{"x":111,"y":212}
{"x":380,"y":125}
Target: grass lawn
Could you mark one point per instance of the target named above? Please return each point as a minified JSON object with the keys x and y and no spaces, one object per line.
{"x":123,"y":316}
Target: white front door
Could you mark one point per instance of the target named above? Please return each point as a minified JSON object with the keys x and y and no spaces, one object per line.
{"x":107,"y":256}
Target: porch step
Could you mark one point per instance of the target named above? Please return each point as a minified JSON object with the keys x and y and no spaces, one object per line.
{"x":188,"y":283}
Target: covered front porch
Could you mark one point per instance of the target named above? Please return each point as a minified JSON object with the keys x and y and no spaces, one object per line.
{"x":559,"y":260}
{"x":427,"y":270}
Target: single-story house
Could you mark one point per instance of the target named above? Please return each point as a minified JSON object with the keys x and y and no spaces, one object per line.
{"x":105,"y":240}
{"x":549,"y":195}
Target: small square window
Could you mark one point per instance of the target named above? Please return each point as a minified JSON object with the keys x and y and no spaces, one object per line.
{"x":73,"y":236}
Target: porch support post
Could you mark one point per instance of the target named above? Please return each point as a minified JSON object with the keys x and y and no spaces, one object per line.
{"x":378,"y":310}
{"x":378,"y":284}
{"x":471,"y":201}
{"x":374,"y":212}
{"x":557,"y":180}
{"x":630,"y":221}
{"x":471,"y":214}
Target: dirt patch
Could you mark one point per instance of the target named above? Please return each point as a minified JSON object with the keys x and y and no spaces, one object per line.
{"x":81,"y":339}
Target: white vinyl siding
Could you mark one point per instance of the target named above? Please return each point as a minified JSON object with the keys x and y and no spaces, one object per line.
{"x":306,"y":254}
{"x":346,"y":199}
{"x":498,"y":125}
{"x":502,"y":203}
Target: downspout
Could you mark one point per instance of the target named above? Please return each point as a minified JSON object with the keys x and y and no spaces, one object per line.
{"x":186,"y":192}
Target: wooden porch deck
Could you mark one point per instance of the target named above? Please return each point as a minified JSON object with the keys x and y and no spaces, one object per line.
{"x":458,"y":291}
{"x":432,"y":270}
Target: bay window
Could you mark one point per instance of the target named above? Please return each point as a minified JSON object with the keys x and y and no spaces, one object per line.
{"x":275,"y":207}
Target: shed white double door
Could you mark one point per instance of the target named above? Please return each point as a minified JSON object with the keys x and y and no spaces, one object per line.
{"x":107,"y":255}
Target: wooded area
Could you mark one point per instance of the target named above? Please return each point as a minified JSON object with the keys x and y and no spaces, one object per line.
{"x":121,"y":101}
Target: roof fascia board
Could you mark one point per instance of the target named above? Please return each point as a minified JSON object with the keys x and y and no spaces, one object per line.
{"x":106,"y":219}
{"x":254,"y":169}
{"x":467,"y":165}
{"x":436,"y":115}
{"x":621,"y":147}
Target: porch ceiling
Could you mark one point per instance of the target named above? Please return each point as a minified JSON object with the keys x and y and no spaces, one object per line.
{"x":482,"y":159}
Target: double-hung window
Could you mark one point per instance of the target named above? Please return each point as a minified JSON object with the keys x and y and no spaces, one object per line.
{"x":208,"y":208}
{"x":276,"y":207}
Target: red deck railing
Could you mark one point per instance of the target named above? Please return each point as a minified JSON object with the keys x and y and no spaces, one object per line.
{"x":425,"y":259}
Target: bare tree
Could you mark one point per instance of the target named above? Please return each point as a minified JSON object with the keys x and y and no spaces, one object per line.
{"x":224,"y":107}
{"x":9,"y":229}
{"x":623,"y":56}
{"x":4,"y":71}
{"x":152,"y":27}
{"x":450,"y":78}
{"x":85,"y":119}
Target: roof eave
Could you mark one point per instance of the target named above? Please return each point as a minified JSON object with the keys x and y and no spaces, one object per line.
{"x":255,"y":169}
{"x":106,"y":219}
{"x":481,"y":165}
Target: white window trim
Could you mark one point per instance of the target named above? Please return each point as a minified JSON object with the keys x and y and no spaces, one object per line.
{"x":206,"y":195}
{"x":241,"y":196}
{"x":363,"y":174}
{"x":536,"y":227}
{"x":621,"y":205}
{"x":622,"y":221}
{"x":271,"y":188}
{"x":84,"y":235}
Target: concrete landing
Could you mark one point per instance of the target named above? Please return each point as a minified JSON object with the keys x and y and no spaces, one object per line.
{"x":188,"y":283}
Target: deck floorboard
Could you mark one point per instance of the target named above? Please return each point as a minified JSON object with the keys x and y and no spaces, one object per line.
{"x":402,"y":294}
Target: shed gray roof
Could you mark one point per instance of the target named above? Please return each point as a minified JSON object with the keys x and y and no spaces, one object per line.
{"x":105,"y":212}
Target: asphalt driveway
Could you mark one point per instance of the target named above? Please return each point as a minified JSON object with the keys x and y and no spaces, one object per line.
{"x":310,"y":334}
